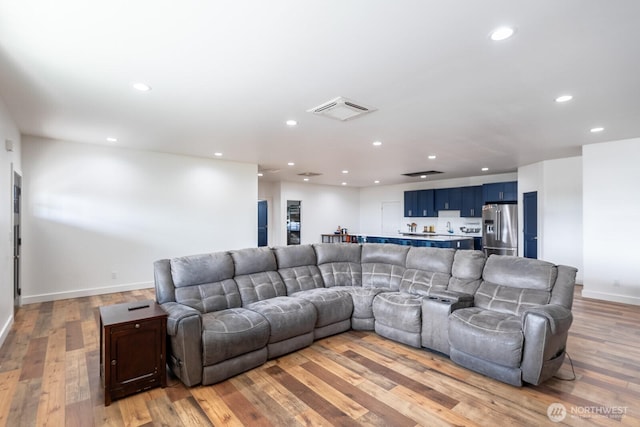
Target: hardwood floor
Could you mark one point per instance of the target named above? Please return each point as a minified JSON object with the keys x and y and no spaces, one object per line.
{"x":49,"y":375}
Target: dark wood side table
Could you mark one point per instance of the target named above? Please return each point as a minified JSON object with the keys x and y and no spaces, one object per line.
{"x":132,"y":348}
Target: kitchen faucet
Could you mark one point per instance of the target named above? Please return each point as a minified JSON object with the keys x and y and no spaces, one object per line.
{"x":449,"y":229}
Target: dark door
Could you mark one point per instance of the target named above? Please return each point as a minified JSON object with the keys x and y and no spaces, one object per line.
{"x":262,"y":223}
{"x":17,"y":239}
{"x":531,"y":224}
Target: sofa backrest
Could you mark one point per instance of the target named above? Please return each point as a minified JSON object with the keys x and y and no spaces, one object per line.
{"x":383,"y":265}
{"x":513,"y":284}
{"x":204,"y":282}
{"x":298,"y":268}
{"x":339,"y":263}
{"x":426,"y":269}
{"x":256,"y":275}
{"x":466,"y":271}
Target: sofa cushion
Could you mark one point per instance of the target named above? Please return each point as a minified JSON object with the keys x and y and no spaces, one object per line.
{"x":294,"y":256}
{"x":260,"y":286}
{"x":337,"y":252}
{"x":383,"y":265}
{"x":488,"y":335}
{"x":211,"y":296}
{"x":288,"y":317}
{"x":332,"y":304}
{"x":437,"y":260}
{"x":230,"y":333}
{"x":519,"y":272}
{"x":466,"y":271}
{"x":198,"y":269}
{"x":341,"y":274}
{"x":339,"y":263}
{"x":301,"y":278}
{"x":506,"y":299}
{"x":253,"y":260}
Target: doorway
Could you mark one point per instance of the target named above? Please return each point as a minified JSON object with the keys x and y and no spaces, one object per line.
{"x":263,"y":237}
{"x":17,"y":237}
{"x":530,"y":211}
{"x":293,"y":222}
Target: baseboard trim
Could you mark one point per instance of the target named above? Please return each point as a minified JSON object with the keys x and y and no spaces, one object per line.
{"x":6,"y":328}
{"x":54,"y":296}
{"x":624,"y":299}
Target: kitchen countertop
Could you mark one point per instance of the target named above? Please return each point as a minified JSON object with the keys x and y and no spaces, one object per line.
{"x":421,"y":236}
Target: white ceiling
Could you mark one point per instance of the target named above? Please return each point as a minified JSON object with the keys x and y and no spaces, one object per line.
{"x":226,"y":75}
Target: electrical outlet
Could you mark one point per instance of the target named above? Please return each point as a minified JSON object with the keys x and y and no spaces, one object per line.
{"x":114,"y":274}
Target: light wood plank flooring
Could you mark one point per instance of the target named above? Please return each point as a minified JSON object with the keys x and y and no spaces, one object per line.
{"x":49,"y":375}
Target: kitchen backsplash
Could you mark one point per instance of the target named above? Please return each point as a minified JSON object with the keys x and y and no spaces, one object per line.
{"x":440,"y":223}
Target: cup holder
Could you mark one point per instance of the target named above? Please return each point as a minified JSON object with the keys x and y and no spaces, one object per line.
{"x":433,"y":298}
{"x":445,"y":300}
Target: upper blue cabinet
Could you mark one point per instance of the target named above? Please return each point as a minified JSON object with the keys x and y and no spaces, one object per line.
{"x":471,"y":202}
{"x":448,"y":199}
{"x":418,"y":203}
{"x":500,"y":192}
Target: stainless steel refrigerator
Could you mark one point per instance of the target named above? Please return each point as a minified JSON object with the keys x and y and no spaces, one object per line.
{"x":500,"y":229}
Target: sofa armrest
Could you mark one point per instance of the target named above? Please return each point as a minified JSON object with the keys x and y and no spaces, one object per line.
{"x":184,"y":328}
{"x":177,"y":313}
{"x":546,"y":329}
{"x":559,"y":317}
{"x":452,"y":296}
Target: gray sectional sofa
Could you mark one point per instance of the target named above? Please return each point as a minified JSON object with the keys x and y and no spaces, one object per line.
{"x":505,"y":317}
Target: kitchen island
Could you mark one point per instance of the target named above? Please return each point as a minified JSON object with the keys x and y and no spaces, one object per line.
{"x":420,"y":239}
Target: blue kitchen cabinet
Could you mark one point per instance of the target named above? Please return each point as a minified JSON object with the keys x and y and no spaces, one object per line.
{"x":418,"y":203}
{"x":425,"y":203}
{"x":448,"y":199}
{"x":410,"y":204}
{"x":471,"y":202}
{"x":500,"y":192}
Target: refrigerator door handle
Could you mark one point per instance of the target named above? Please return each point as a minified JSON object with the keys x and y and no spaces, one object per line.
{"x":499,"y":226}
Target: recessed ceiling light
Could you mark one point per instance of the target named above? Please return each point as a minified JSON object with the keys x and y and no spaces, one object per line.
{"x":344,"y":183}
{"x":564,"y":98}
{"x":376,"y":182}
{"x":484,"y":169}
{"x":345,"y":171}
{"x":112,"y":139}
{"x":142,"y":87}
{"x":431,"y":157}
{"x":596,"y":130}
{"x":501,"y":33}
{"x":423,"y":176}
{"x":306,"y":179}
{"x":260,"y":174}
{"x":218,"y":154}
{"x":291,"y":122}
{"x":290,"y":164}
{"x":377,"y":143}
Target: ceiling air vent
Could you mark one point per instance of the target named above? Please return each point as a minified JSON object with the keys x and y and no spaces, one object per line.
{"x":341,"y":109}
{"x":425,"y":173}
{"x":309,"y":174}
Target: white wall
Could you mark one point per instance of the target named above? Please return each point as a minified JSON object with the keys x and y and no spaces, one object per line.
{"x":611,"y":212}
{"x":323,"y":209}
{"x":562,"y":213}
{"x":92,"y":213}
{"x":559,"y":187}
{"x":9,"y":161}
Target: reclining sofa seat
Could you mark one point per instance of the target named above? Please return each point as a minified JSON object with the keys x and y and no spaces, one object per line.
{"x":291,"y":320}
{"x":517,"y":329}
{"x":297,"y":265}
{"x":211,"y":337}
{"x":399,"y":314}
